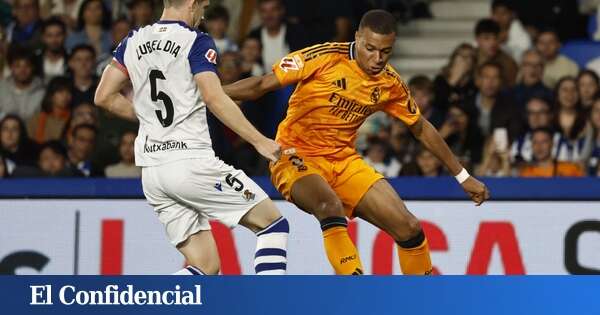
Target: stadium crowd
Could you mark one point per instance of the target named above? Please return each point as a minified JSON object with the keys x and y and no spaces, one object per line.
{"x":508,"y":103}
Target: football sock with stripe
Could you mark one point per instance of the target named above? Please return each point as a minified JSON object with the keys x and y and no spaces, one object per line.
{"x":270,"y":257}
{"x":341,"y":252}
{"x":189,"y":271}
{"x":414,"y":255}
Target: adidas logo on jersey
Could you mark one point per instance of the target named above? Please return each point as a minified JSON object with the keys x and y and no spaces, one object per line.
{"x":341,"y":83}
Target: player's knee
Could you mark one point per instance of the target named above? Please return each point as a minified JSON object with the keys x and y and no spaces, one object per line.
{"x":409,"y":229}
{"x":207,"y":266}
{"x":329,"y":208}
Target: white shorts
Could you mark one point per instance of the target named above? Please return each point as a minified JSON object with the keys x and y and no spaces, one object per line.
{"x":186,"y":194}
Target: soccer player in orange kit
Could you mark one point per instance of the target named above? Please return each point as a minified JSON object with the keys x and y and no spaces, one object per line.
{"x":338,"y":86}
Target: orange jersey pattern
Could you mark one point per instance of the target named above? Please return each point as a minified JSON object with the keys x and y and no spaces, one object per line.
{"x":333,"y":97}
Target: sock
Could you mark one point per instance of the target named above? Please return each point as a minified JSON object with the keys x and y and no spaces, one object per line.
{"x":414,"y":256}
{"x":341,"y":252}
{"x":189,"y":271}
{"x":270,"y":257}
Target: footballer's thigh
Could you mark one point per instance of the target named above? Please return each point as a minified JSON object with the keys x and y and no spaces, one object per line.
{"x":313,"y":194}
{"x":186,"y":228}
{"x":382,"y":207}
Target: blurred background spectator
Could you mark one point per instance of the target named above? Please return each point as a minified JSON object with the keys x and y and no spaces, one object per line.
{"x":556,"y":65}
{"x":23,"y":91}
{"x":525,"y":78}
{"x":126,"y":166}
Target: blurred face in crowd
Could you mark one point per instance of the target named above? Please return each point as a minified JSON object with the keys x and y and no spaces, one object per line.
{"x":489,"y":81}
{"x":251,"y":50}
{"x":119,"y":30}
{"x":541,"y":145}
{"x":376,"y":153}
{"x":588,"y":88}
{"x":595,"y":115}
{"x":548,"y":45}
{"x":488,"y":43}
{"x":2,"y":167}
{"x":82,"y":63}
{"x":458,"y":118}
{"x":428,"y":163}
{"x":126,"y":148}
{"x":271,"y":14}
{"x":229,"y":67}
{"x":26,"y":11}
{"x":217,"y":27}
{"x":538,"y":114}
{"x":142,"y":13}
{"x":84,"y":114}
{"x":61,"y":99}
{"x":51,"y":162}
{"x":423,"y":98}
{"x":373,"y":50}
{"x":54,"y":38}
{"x":10,"y":134}
{"x":467,"y":56}
{"x":93,"y":13}
{"x":532,"y":68}
{"x":567,"y":94}
{"x":503,"y":16}
{"x":22,"y":71}
{"x":82,"y":144}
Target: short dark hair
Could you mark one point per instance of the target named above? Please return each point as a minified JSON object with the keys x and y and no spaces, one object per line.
{"x":421,"y":82}
{"x":547,"y":29}
{"x":487,"y":26}
{"x":542,"y":99}
{"x":545,"y":130}
{"x":217,"y":12}
{"x":91,"y":127}
{"x":590,"y":73}
{"x":502,"y":3}
{"x":378,"y":21}
{"x":133,"y":3}
{"x":18,"y":52}
{"x":54,"y":21}
{"x":55,"y":146}
{"x":82,"y":47}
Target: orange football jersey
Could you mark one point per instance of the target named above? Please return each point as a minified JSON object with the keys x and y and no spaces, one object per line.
{"x":333,"y":97}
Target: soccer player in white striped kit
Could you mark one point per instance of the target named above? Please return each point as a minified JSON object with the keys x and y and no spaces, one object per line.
{"x":173,"y":71}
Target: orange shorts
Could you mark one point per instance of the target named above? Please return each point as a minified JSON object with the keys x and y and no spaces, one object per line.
{"x":350,"y":178}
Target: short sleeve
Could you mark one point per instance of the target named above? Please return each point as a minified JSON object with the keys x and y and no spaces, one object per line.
{"x":401,"y":105}
{"x":302,"y":64}
{"x":119,"y":53}
{"x":203,"y":55}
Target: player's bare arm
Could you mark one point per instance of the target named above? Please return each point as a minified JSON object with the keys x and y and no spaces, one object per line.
{"x":108,"y":94}
{"x":252,"y":88}
{"x":230,"y":114}
{"x":431,"y":139}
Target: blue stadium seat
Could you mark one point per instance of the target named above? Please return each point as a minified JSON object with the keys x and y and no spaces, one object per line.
{"x":581,"y":51}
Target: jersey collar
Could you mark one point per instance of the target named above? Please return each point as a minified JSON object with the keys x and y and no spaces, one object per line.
{"x":351,"y":53}
{"x":175,"y":22}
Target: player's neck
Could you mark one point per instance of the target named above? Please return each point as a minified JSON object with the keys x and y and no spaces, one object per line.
{"x":172,"y":14}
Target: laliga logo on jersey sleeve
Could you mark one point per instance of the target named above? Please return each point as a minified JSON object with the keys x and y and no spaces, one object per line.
{"x":291,"y":63}
{"x":211,"y":56}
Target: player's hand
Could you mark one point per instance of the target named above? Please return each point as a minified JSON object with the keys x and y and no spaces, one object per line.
{"x":269,"y":149}
{"x":476,"y":190}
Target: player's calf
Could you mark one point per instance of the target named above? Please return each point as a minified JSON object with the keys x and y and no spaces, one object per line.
{"x":341,"y":252}
{"x":270,"y":257}
{"x":413,"y":250}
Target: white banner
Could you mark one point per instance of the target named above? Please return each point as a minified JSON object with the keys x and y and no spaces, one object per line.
{"x":125,"y":237}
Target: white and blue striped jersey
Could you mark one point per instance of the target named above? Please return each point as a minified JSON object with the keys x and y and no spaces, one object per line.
{"x":161,"y":61}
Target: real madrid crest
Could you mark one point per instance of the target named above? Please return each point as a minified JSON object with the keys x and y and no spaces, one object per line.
{"x":375,"y":95}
